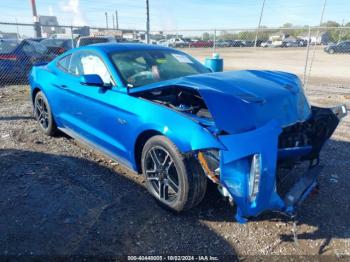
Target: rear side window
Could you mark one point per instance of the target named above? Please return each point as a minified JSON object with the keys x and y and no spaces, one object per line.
{"x":63,"y":63}
{"x":7,"y":46}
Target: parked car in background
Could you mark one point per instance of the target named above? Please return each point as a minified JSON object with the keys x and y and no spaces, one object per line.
{"x":222,"y":43}
{"x":341,"y":47}
{"x":235,"y":43}
{"x":293,"y":43}
{"x":36,"y":39}
{"x":177,"y":42}
{"x":165,"y":115}
{"x":248,"y":43}
{"x":266,"y":44}
{"x":18,"y":57}
{"x":201,"y":43}
{"x":57,"y":46}
{"x":188,"y":41}
{"x":125,"y":40}
{"x":163,"y":42}
{"x":90,"y":40}
{"x":302,"y":42}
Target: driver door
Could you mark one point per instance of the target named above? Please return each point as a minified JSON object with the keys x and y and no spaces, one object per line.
{"x":93,"y":114}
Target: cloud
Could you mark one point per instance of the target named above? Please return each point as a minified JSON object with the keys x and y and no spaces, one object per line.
{"x":51,"y":13}
{"x":72,"y":7}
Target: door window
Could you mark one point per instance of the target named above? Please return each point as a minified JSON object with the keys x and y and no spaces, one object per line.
{"x":92,"y":64}
{"x":84,"y":63}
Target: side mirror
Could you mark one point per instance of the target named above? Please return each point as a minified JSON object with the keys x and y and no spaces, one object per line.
{"x":92,"y":80}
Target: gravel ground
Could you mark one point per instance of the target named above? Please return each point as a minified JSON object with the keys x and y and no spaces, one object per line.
{"x":60,"y":198}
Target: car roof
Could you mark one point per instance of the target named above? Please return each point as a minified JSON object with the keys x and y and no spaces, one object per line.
{"x":115,"y":47}
{"x":93,"y":37}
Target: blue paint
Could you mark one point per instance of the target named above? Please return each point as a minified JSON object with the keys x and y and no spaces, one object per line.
{"x":251,"y":107}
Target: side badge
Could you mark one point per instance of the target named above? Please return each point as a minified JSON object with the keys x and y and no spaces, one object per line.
{"x":122,"y":121}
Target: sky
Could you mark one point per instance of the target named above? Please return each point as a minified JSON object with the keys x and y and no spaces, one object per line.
{"x":180,"y":14}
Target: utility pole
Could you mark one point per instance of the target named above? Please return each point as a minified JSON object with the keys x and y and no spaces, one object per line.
{"x":257,"y":30}
{"x":116,"y":19}
{"x":106,"y":19}
{"x":37,"y":28}
{"x":147,"y":22}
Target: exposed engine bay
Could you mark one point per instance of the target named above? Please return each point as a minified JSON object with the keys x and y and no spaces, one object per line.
{"x":180,"y":99}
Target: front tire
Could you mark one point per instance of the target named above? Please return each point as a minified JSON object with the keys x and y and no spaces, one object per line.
{"x":43,"y":114}
{"x":331,"y":51}
{"x":175,"y":180}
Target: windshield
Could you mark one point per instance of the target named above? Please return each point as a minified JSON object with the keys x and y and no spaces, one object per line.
{"x":139,"y":68}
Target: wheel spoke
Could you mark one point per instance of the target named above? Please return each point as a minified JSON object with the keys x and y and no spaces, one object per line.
{"x":172,"y":184}
{"x":166,"y":158}
{"x":154,"y":157}
{"x":167,"y":167}
{"x":153,"y":179}
{"x":162,"y":189}
{"x":42,"y":104}
{"x":151,"y":172}
{"x":38,"y":106}
{"x":152,"y":175}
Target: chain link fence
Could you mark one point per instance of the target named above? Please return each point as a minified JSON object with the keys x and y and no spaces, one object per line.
{"x":318,"y":55}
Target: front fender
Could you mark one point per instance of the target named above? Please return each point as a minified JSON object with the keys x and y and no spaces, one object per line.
{"x":186,"y":136}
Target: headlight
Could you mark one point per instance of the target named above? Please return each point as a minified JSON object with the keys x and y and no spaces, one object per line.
{"x":254,"y":179}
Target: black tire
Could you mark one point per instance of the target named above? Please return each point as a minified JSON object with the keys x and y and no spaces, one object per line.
{"x":43,"y":114}
{"x":192,"y":182}
{"x":331,"y":51}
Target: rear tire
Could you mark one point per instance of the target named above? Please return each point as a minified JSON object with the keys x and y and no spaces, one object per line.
{"x":331,"y":51}
{"x":43,"y":115}
{"x":175,"y":180}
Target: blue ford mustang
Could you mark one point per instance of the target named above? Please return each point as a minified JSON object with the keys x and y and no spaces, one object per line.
{"x":165,"y":115}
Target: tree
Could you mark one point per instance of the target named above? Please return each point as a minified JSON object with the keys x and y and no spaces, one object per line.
{"x":330,"y":24}
{"x":287,"y":25}
{"x":206,"y":36}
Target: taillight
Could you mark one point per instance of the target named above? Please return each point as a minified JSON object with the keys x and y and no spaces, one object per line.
{"x":8,"y":57}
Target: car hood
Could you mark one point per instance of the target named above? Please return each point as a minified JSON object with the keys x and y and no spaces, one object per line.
{"x":244,"y":100}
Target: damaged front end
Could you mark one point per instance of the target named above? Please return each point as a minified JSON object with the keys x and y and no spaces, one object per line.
{"x":264,"y":123}
{"x":246,"y":171}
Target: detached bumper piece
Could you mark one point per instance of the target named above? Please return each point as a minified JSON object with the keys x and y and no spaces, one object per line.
{"x":301,"y":190}
{"x":248,"y":166}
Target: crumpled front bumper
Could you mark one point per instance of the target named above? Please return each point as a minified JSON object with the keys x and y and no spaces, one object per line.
{"x":236,"y":165}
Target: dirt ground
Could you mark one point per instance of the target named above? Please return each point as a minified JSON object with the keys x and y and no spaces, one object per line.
{"x":60,"y":198}
{"x":326,"y":69}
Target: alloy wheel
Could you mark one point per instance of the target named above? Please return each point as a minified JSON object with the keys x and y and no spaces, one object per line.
{"x":161,"y":173}
{"x":41,"y":112}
